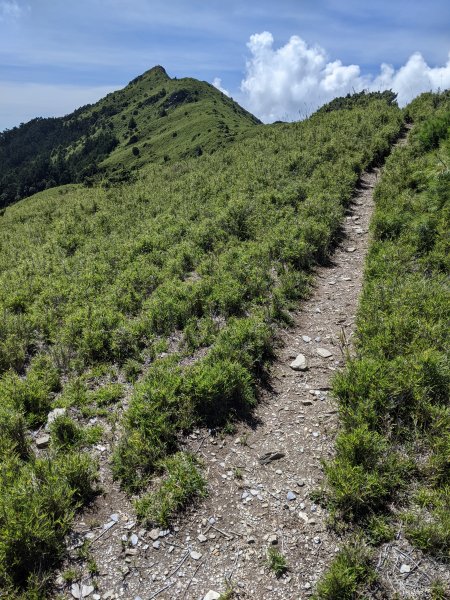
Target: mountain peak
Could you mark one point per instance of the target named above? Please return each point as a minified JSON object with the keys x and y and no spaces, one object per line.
{"x":157,"y":71}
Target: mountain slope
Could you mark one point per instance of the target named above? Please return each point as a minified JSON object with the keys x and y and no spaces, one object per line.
{"x":153,"y":119}
{"x":145,"y":309}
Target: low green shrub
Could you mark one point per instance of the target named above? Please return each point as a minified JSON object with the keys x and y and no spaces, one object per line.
{"x":37,"y":506}
{"x":349,"y":571}
{"x":276,"y":562}
{"x":182,"y":484}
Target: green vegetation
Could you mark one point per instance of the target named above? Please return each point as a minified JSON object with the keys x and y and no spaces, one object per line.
{"x":182,"y":484}
{"x":347,"y":572}
{"x":276,"y":562}
{"x":173,"y":281}
{"x":393,"y":451}
{"x":153,"y":119}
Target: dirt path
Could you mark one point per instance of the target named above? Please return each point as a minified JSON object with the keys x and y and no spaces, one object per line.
{"x":251,"y":505}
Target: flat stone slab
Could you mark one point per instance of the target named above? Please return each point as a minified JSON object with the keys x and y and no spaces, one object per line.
{"x":324,"y":353}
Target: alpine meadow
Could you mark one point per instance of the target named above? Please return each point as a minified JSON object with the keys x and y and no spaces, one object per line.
{"x":155,"y":247}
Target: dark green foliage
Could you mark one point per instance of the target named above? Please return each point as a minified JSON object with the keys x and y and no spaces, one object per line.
{"x":178,"y":273}
{"x":393,"y":396}
{"x":358,"y":99}
{"x":276,"y":562}
{"x":37,"y":505}
{"x":349,"y":571}
{"x":65,"y":433}
{"x":182,"y":484}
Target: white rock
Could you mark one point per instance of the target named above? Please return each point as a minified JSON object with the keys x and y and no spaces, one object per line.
{"x":202,"y":538}
{"x":300,"y":363}
{"x":323,"y":352}
{"x":86,"y":590}
{"x":195,"y":555}
{"x":154,"y":534}
{"x":290,"y":496}
{"x":43,"y":441}
{"x":306,"y":338}
{"x":211,"y":595}
{"x":134,"y":539}
{"x":52,"y":415}
{"x":303,"y":516}
{"x":114,"y":517}
{"x":81,"y":591}
{"x":404,"y":568}
{"x":351,"y":249}
{"x":156,"y":545}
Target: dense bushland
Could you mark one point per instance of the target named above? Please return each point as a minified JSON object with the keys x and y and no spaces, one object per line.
{"x":176,"y":280}
{"x":393,"y":455}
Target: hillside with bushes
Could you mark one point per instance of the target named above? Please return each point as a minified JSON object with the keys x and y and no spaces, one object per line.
{"x":391,"y":470}
{"x":153,"y":119}
{"x":146,"y":302}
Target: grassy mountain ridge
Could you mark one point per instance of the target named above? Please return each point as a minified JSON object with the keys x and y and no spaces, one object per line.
{"x":169,"y":288}
{"x":153,"y":119}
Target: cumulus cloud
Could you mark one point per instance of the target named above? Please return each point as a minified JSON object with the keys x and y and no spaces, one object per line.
{"x":292,"y":81}
{"x":217,"y":83}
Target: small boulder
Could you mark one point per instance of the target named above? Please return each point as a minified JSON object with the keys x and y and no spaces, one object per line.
{"x":300,"y":363}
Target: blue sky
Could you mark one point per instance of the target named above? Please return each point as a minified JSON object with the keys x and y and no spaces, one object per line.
{"x":56,"y":55}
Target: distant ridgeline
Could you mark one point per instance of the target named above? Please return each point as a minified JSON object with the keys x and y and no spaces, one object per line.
{"x":153,"y":119}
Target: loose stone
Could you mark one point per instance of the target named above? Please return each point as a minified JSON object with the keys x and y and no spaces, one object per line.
{"x":43,"y":441}
{"x":300,"y":363}
{"x":324,"y":353}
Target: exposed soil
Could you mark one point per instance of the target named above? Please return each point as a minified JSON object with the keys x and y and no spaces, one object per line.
{"x":251,"y":505}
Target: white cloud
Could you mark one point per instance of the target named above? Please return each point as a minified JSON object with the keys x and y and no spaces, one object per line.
{"x":20,"y":102}
{"x":10,"y":10}
{"x":217,"y":83}
{"x":294,"y":80}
